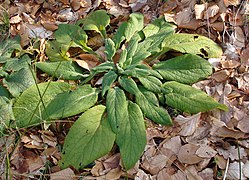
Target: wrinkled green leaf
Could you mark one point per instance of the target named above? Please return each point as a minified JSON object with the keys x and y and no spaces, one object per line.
{"x":67,"y":70}
{"x":119,"y":35}
{"x":129,"y":85}
{"x":146,"y":68}
{"x":108,"y":79}
{"x":3,"y":73}
{"x":56,"y":51}
{"x":104,"y":67}
{"x":136,"y":72}
{"x":89,"y":138}
{"x":71,"y":103}
{"x":188,"y":99}
{"x":127,"y":30}
{"x":15,"y":64}
{"x":151,"y":83}
{"x":193,"y":44}
{"x":6,"y":114}
{"x":109,"y":49}
{"x":97,"y":21}
{"x":116,"y":105}
{"x":123,"y":58}
{"x":72,"y":36}
{"x":186,"y":69}
{"x":19,"y":81}
{"x":4,"y":91}
{"x":131,"y":137}
{"x":28,"y":107}
{"x":153,"y":43}
{"x":135,"y":24}
{"x":149,"y":104}
{"x":158,"y":25}
{"x":131,"y":49}
{"x":7,"y":47}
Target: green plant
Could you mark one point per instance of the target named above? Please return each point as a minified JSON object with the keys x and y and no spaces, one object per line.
{"x":132,"y":88}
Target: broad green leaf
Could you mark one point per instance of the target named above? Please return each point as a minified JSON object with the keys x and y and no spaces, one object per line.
{"x":145,"y":68}
{"x":127,"y":30}
{"x":122,"y":59}
{"x":109,"y":49}
{"x":147,"y":103}
{"x":131,"y":49}
{"x":135,"y":24}
{"x":119,"y":36}
{"x":88,"y":139}
{"x":153,"y":42}
{"x":186,"y":69}
{"x":104,"y":67}
{"x":129,"y":85}
{"x":3,"y":73}
{"x":108,"y":79}
{"x":71,"y":103}
{"x":98,"y":20}
{"x":56,"y":51}
{"x":136,"y":72}
{"x":67,"y":70}
{"x":19,"y":81}
{"x":151,"y":83}
{"x":188,"y":99}
{"x":4,"y":92}
{"x":6,"y":113}
{"x":131,"y":137}
{"x":15,"y":64}
{"x":29,"y":107}
{"x":7,"y":47}
{"x":72,"y":36}
{"x":193,"y":44}
{"x":156,"y":26}
{"x":150,"y":96}
{"x":116,"y":105}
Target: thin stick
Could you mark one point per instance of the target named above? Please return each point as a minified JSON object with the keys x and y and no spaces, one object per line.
{"x":225,"y":174}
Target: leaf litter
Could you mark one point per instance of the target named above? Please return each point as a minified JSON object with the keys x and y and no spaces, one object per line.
{"x":201,"y":146}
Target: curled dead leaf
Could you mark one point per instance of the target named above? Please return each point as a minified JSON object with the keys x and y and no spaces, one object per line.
{"x":188,"y":124}
{"x":87,"y":61}
{"x":199,"y":10}
{"x":15,"y":19}
{"x":211,"y":11}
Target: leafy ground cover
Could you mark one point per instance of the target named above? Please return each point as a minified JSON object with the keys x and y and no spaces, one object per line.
{"x":48,"y":98}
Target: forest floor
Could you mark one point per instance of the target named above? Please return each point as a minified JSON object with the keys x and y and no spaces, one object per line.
{"x":212,"y":145}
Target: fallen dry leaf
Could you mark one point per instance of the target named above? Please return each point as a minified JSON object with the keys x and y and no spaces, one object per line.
{"x":155,"y":163}
{"x":220,"y":76}
{"x":15,"y":19}
{"x":205,"y":151}
{"x":174,"y":144}
{"x":65,"y":174}
{"x":211,"y":11}
{"x":192,"y":173}
{"x":232,"y":153}
{"x":246,"y":169}
{"x":243,"y":124}
{"x":187,"y":154}
{"x":163,"y":174}
{"x":234,"y":171}
{"x":199,"y":10}
{"x":207,"y":174}
{"x":188,"y":124}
